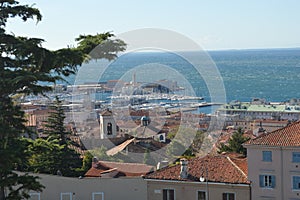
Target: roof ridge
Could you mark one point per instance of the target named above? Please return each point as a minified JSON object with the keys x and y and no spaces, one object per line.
{"x":116,"y":149}
{"x":291,"y":124}
{"x":236,"y":166}
{"x":276,"y":133}
{"x":123,"y":163}
{"x":277,"y":130}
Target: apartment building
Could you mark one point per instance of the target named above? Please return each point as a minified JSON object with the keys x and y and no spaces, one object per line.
{"x":274,"y":164}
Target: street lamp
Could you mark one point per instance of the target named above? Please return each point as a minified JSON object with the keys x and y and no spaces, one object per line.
{"x":202,"y":179}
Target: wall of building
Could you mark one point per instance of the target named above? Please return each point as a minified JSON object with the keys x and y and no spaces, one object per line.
{"x":83,"y":189}
{"x":189,"y":190}
{"x":104,"y":120}
{"x":281,"y":167}
{"x":244,"y":114}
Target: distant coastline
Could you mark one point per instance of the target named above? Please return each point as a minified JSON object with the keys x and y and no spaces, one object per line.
{"x":272,"y":74}
{"x":256,"y":49}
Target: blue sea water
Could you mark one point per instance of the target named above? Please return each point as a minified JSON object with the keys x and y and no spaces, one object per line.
{"x":273,"y":74}
{"x":270,"y":74}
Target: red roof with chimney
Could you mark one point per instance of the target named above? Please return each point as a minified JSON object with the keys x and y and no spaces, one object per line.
{"x":219,"y":168}
{"x":288,"y":136}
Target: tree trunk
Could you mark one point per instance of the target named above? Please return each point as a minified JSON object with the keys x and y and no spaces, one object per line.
{"x":2,"y":194}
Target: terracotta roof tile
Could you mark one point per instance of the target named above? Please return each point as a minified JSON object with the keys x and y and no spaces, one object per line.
{"x":287,"y":136}
{"x":124,"y":169}
{"x":219,"y":168}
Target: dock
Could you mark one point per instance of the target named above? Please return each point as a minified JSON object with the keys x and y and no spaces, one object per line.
{"x":193,"y":107}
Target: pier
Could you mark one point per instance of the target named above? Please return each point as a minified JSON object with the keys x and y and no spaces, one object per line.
{"x":193,"y":107}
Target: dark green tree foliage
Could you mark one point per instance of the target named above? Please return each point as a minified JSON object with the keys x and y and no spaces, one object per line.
{"x":44,"y":155}
{"x":54,"y":127}
{"x":12,"y":152}
{"x":53,"y":154}
{"x":24,"y":63}
{"x":50,"y":157}
{"x":235,"y":143}
{"x":87,"y":161}
{"x":13,"y":157}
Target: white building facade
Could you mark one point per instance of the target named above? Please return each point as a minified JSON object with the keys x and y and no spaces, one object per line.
{"x":108,"y":127}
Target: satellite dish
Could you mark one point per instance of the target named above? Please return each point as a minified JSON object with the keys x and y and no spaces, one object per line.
{"x":202,"y":179}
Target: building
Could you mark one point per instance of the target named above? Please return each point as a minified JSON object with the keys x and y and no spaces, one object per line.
{"x":36,"y":117}
{"x":65,"y":188}
{"x":116,"y":169}
{"x":268,"y":125}
{"x":261,"y":110}
{"x":108,"y":127}
{"x":274,"y":164}
{"x":211,"y":177}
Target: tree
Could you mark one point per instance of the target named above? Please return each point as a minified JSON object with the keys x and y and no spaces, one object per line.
{"x":235,"y":143}
{"x":100,"y":154}
{"x":197,"y":143}
{"x":175,"y":149}
{"x":11,"y":153}
{"x":49,"y":157}
{"x":55,"y":127}
{"x":44,"y":156}
{"x":24,"y":63}
{"x":87,"y":161}
{"x":65,"y":160}
{"x":187,"y":143}
{"x":148,"y":159}
{"x":53,"y":154}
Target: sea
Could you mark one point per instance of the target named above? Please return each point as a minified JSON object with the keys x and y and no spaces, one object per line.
{"x":272,"y":74}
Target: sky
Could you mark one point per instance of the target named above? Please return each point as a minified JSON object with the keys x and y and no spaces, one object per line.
{"x":213,"y":24}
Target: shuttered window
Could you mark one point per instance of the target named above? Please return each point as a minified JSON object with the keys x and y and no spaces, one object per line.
{"x":296,"y":182}
{"x":168,"y":194}
{"x":228,"y":196}
{"x":296,"y":157}
{"x":201,"y":195}
{"x":267,"y":181}
{"x":267,"y":156}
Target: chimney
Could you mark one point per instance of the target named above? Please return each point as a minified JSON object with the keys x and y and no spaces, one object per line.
{"x":183,"y":168}
{"x":94,"y":160}
{"x":158,"y":166}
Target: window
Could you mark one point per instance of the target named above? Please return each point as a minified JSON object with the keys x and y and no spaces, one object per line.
{"x":34,"y":196}
{"x":168,"y":194}
{"x":267,"y":156}
{"x":296,"y":182}
{"x":109,"y":128}
{"x":201,"y":195}
{"x":66,"y":196}
{"x":228,"y":196}
{"x":98,"y":196}
{"x":296,"y":157}
{"x":267,"y":181}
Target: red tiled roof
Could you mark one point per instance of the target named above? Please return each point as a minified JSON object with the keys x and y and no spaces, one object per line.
{"x":93,"y":172}
{"x":220,"y":168}
{"x":124,"y":169}
{"x":287,"y":136}
{"x":106,"y":113}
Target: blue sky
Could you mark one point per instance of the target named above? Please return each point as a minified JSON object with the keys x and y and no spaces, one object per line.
{"x":213,"y":24}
